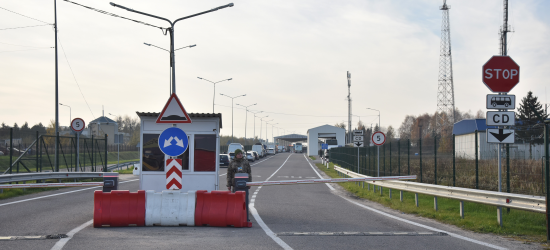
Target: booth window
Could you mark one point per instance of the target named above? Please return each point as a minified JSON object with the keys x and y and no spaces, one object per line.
{"x":153,"y":158}
{"x":185,"y":157}
{"x":205,"y":153}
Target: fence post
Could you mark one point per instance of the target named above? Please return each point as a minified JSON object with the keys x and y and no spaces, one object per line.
{"x":384,"y":148}
{"x":11,"y":149}
{"x":40,"y":148}
{"x":391,"y":173}
{"x":105,"y":166}
{"x":408,"y":156}
{"x":435,"y":162}
{"x":399,"y":157}
{"x":92,"y":159}
{"x":58,"y":142}
{"x":454,"y":162}
{"x":477,"y":172}
{"x":420,"y":154}
{"x":508,"y":172}
{"x":36,"y":152}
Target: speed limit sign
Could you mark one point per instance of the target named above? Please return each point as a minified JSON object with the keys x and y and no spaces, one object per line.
{"x":77,"y":125}
{"x":378,"y":138}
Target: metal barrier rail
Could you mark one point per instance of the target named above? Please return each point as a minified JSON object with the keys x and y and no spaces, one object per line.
{"x":51,"y":175}
{"x":315,"y":181}
{"x":119,"y":166}
{"x":517,"y":201}
{"x":41,"y":185}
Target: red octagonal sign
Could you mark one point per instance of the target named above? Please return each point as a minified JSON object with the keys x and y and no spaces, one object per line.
{"x":501,"y":74}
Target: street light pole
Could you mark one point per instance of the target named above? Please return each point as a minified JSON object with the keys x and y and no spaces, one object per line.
{"x":379,"y":125}
{"x":232,"y":98}
{"x":214,"y":98}
{"x":266,"y":128}
{"x":171,"y":30}
{"x":70,"y":116}
{"x":246,"y":118}
{"x":255,"y":123}
{"x":261,"y":122}
{"x":170,"y":72}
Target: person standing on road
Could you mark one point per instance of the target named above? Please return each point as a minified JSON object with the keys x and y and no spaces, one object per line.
{"x":238,"y":165}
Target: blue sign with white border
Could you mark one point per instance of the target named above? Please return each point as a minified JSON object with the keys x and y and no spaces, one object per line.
{"x":324,"y":146}
{"x":173,"y":141}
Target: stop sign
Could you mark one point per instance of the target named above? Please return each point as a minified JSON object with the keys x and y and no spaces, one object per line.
{"x":501,"y":74}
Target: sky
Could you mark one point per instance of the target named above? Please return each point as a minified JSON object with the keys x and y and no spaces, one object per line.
{"x":290,"y":58}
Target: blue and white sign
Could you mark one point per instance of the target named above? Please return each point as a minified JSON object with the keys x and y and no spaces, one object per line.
{"x":324,"y":146}
{"x":173,"y":141}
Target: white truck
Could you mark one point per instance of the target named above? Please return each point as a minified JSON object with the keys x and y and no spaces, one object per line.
{"x":259,"y":148}
{"x":232,"y":147}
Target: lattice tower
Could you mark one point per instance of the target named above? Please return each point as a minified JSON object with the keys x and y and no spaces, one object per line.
{"x":445,"y":89}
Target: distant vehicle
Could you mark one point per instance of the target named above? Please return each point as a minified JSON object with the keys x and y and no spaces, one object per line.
{"x":224,"y":160}
{"x":506,"y":101}
{"x":270,"y":151}
{"x":298,"y":147}
{"x":259,"y":149}
{"x":281,"y":148}
{"x":256,"y":155}
{"x":250,"y":156}
{"x":232,"y":147}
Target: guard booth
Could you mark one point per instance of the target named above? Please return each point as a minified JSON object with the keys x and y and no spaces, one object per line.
{"x":200,"y":162}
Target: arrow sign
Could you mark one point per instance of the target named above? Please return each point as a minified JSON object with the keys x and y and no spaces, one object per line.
{"x":358,"y":144}
{"x":173,"y":141}
{"x":500,"y":136}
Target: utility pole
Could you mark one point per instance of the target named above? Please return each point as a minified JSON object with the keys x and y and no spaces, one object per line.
{"x":349,"y":106}
{"x":56,"y":161}
{"x":445,"y":87}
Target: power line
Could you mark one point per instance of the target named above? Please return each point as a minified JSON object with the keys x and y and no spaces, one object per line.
{"x":24,"y":45}
{"x":275,"y":113}
{"x":62,"y":49}
{"x":114,"y":15}
{"x":26,"y":27}
{"x":5,"y":51}
{"x":25,"y":16}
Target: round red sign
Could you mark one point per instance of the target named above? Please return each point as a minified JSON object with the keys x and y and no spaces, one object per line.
{"x":501,"y":74}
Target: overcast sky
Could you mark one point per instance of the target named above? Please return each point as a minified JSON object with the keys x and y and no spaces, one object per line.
{"x":289,"y":57}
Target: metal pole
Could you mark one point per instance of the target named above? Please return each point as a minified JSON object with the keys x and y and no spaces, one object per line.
{"x":11,"y":149}
{"x":454,"y":162}
{"x":547,"y":170}
{"x":172,"y":52}
{"x":77,"y":151}
{"x":56,"y":161}
{"x":232,"y":118}
{"x":499,"y":209}
{"x":214,"y":98}
{"x":477,"y":162}
{"x":420,"y":151}
{"x":357,"y":159}
{"x":378,"y":161}
{"x":435,"y":159}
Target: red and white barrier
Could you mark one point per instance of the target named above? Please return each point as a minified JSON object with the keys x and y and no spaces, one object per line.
{"x":170,"y":208}
{"x":119,"y":208}
{"x":289,"y":182}
{"x":42,"y":185}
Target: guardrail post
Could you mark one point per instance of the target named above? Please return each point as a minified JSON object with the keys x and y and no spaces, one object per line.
{"x":435,"y":203}
{"x":401,"y":195}
{"x":454,"y":162}
{"x":462,"y":209}
{"x":416,"y":199}
{"x":477,"y":172}
{"x":381,"y":191}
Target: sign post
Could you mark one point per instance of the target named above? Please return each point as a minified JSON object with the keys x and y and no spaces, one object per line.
{"x":378,"y":139}
{"x":500,"y":75}
{"x":358,"y":142}
{"x":77,"y":125}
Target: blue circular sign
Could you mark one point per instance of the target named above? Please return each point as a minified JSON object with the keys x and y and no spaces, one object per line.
{"x":173,"y":141}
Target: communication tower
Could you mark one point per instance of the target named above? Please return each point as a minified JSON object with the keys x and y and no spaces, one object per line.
{"x":445,"y":89}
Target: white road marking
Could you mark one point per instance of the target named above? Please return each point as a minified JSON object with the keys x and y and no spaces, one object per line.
{"x":46,"y":196}
{"x":61,"y":243}
{"x":259,"y":220}
{"x":328,"y":185}
{"x":414,"y":223}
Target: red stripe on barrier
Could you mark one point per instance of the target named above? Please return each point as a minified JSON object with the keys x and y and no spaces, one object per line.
{"x":221,"y":209}
{"x":119,"y":208}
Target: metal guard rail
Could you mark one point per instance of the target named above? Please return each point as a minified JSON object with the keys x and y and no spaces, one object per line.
{"x":510,"y":200}
{"x":5,"y":178}
{"x":122,"y":165}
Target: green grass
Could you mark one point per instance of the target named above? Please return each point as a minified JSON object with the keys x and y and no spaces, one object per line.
{"x":521,"y":225}
{"x":312,"y":157}
{"x":125,"y":171}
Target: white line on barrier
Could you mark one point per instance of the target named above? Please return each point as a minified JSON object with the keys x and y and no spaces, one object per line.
{"x":259,"y":220}
{"x":328,"y":185}
{"x":61,"y":243}
{"x":46,"y":196}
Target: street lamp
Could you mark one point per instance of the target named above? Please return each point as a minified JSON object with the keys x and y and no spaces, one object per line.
{"x":255,"y":123}
{"x":261,"y":121}
{"x":232,"y":111}
{"x":70,"y":116}
{"x":266,"y":128}
{"x":171,"y":30}
{"x":272,"y":138}
{"x":246,"y":118}
{"x":170,"y":71}
{"x":379,"y":125}
{"x":213,"y":98}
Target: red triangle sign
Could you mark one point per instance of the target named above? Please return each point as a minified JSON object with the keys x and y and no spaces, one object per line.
{"x":173,"y":112}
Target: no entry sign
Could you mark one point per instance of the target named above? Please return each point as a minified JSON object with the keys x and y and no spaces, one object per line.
{"x":501,"y":74}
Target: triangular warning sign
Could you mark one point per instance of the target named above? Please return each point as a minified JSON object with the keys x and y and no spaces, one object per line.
{"x":173,"y":112}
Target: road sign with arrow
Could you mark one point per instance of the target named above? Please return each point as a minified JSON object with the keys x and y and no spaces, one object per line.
{"x":500,"y":135}
{"x":358,"y":144}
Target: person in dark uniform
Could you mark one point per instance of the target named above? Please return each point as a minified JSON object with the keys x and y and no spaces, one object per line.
{"x":239,"y":164}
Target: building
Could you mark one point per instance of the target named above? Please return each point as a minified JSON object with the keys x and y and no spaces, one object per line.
{"x":322,"y":133}
{"x":103,"y":126}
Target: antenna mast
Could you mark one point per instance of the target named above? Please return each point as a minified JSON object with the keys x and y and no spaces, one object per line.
{"x":445,"y":89}
{"x":349,"y":107}
{"x":504,"y":31}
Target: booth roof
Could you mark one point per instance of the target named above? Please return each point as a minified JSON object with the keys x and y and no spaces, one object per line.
{"x":191,"y":115}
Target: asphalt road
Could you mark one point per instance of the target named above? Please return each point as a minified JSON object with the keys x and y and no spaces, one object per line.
{"x":312,"y":216}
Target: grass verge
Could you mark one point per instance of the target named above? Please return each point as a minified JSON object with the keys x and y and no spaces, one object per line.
{"x":312,"y":157}
{"x":520,"y":225}
{"x":125,"y":171}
